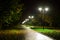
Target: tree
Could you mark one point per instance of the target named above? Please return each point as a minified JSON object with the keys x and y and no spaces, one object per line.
{"x":40,"y":20}
{"x":10,"y":13}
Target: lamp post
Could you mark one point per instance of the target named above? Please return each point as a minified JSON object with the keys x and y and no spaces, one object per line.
{"x":30,"y":17}
{"x":43,"y":10}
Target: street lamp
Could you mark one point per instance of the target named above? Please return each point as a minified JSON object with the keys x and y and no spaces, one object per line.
{"x":40,"y":9}
{"x":43,"y":10}
{"x":46,"y":9}
{"x":30,"y":17}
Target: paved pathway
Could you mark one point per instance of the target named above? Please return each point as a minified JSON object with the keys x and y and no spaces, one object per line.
{"x":33,"y":35}
{"x":25,"y":34}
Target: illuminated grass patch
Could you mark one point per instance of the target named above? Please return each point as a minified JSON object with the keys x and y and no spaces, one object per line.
{"x":44,"y":30}
{"x":49,"y":32}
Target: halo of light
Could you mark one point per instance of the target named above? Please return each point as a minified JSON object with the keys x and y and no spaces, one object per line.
{"x":46,"y":9}
{"x":40,"y":9}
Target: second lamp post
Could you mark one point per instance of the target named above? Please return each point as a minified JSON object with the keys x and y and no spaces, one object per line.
{"x":43,"y":11}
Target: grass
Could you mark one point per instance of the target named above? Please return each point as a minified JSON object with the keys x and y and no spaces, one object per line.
{"x":49,"y":32}
{"x":44,"y":30}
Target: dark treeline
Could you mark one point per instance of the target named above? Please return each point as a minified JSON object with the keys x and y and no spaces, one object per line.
{"x":10,"y":13}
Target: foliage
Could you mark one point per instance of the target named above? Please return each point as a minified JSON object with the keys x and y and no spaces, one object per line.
{"x":50,"y":32}
{"x":11,"y":13}
{"x":43,"y":19}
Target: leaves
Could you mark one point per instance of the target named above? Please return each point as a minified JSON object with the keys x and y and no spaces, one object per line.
{"x":12,"y":14}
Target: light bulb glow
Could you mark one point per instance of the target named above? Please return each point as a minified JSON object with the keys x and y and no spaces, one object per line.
{"x":40,"y":9}
{"x":46,"y":9}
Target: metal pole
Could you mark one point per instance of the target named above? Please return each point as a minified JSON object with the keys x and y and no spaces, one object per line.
{"x":43,"y":17}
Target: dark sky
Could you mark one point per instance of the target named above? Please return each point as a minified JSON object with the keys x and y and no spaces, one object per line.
{"x":32,"y":5}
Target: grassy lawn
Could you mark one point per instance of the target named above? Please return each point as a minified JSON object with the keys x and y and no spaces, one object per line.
{"x":44,"y":30}
{"x":49,"y":32}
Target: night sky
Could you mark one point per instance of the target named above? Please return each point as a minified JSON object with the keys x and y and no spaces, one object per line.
{"x":31,"y":6}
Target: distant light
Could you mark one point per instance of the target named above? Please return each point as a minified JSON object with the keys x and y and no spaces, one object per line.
{"x":40,"y":9}
{"x":46,"y":9}
{"x":30,"y":17}
{"x":25,"y":21}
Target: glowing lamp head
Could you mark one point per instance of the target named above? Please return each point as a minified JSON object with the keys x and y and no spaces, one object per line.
{"x":40,"y":9}
{"x":32,"y":16}
{"x":46,"y":9}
